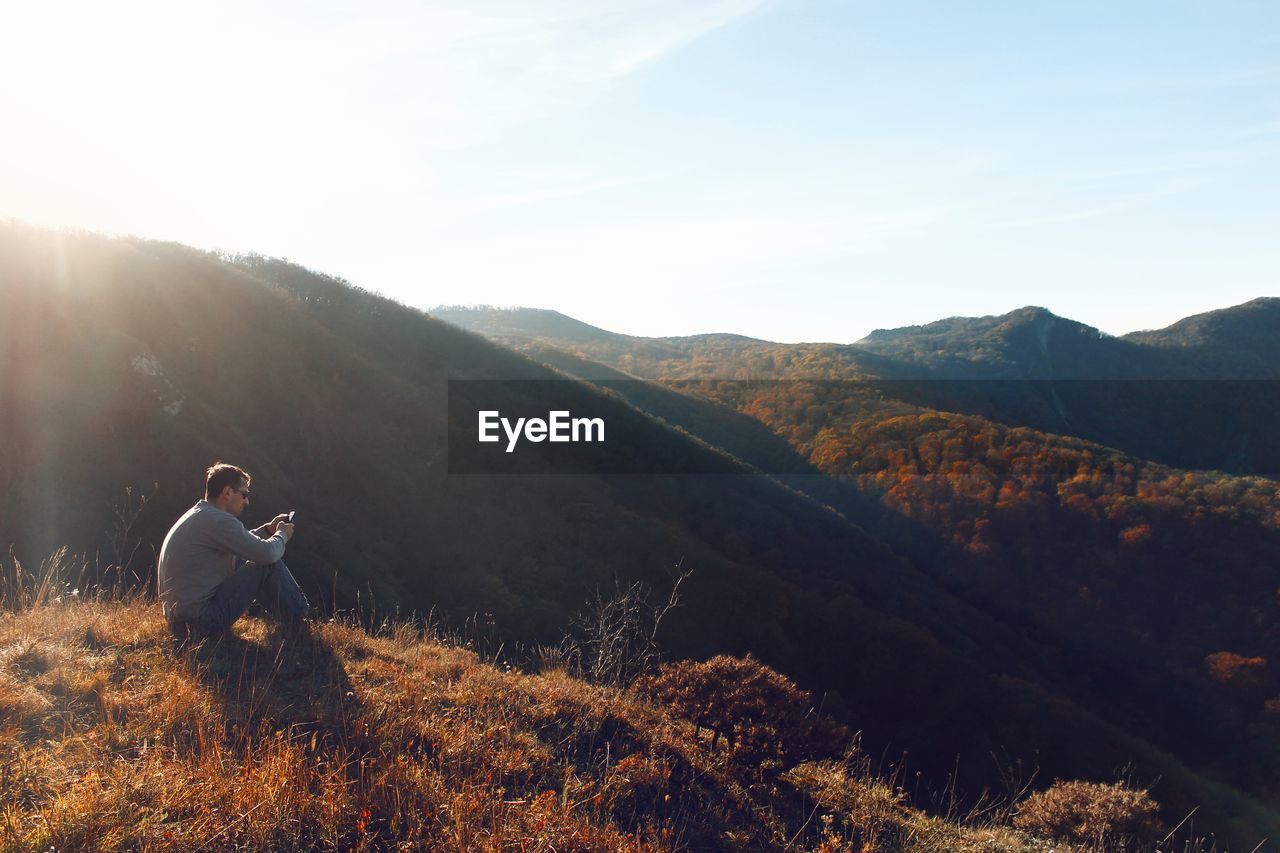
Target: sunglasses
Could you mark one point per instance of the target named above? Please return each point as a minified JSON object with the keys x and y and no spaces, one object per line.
{"x":244,"y":493}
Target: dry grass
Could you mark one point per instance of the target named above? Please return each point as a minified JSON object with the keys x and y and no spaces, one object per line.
{"x":1112,"y":817}
{"x":113,"y":736}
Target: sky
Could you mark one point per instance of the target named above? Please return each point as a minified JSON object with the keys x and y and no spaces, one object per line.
{"x":794,"y":170}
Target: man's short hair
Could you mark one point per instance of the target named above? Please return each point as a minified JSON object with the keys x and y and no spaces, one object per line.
{"x":219,"y":476}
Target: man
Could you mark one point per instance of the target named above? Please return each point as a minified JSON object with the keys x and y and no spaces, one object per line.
{"x":212,"y":568}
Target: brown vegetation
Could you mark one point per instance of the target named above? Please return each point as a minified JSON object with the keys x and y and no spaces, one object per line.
{"x":1113,"y":817}
{"x":764,"y":718}
{"x":111,"y":735}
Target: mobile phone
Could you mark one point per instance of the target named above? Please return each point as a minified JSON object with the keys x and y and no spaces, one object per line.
{"x":290,"y":518}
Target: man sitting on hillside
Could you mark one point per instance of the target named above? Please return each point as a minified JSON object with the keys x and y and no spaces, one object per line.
{"x":212,"y":568}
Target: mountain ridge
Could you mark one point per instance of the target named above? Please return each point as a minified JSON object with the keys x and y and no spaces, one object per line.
{"x":1190,"y":330}
{"x":1237,"y":342}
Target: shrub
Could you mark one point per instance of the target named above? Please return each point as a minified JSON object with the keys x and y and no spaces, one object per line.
{"x":1106,"y":815}
{"x":763,"y":717}
{"x":614,"y":640}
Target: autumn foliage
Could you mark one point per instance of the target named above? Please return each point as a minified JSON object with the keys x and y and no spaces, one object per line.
{"x":1231,"y":668}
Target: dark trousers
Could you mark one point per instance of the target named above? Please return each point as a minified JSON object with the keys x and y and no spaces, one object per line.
{"x":272,"y":586}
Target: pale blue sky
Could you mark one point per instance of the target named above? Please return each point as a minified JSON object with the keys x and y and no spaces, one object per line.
{"x":788,"y":169}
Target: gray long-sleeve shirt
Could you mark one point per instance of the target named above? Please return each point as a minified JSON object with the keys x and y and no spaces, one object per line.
{"x":200,"y":553}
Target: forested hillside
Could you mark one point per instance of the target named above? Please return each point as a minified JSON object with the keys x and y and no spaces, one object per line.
{"x":1144,"y":585}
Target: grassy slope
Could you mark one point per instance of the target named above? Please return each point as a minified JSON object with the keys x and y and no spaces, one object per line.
{"x":111,"y":736}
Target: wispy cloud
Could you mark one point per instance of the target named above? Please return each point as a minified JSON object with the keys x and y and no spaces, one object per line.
{"x":426,"y":75}
{"x":164,"y":118}
{"x":464,"y":72}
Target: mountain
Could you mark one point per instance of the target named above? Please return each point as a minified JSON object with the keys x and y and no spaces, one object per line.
{"x":1200,"y":394}
{"x":129,"y":363}
{"x":525,"y":322}
{"x":1033,"y":343}
{"x":988,"y":486}
{"x":1030,"y":343}
{"x":1207,"y":404}
{"x":549,"y":333}
{"x":1240,"y":341}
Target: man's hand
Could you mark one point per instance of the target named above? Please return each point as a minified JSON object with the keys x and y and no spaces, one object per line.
{"x":286,"y":528}
{"x":278,"y":520}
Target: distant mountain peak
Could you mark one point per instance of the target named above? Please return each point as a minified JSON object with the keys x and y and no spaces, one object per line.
{"x":1028,"y":342}
{"x":1255,"y":323}
{"x":1029,"y":314}
{"x":504,"y":322}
